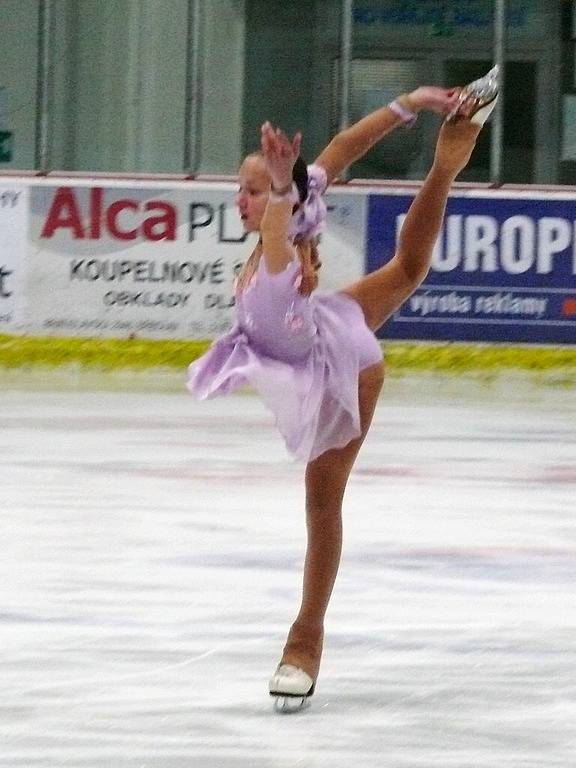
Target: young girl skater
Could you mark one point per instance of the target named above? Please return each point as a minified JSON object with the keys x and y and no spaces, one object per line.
{"x":315,"y":359}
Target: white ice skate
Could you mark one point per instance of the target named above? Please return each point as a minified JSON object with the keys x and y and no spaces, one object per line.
{"x":477,"y":99}
{"x":291,"y":688}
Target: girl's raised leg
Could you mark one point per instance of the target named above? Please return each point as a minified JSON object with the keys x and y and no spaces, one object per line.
{"x":382,"y":292}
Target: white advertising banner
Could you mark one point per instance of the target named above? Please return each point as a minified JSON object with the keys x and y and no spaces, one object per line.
{"x":13,"y":249}
{"x":154,"y":261}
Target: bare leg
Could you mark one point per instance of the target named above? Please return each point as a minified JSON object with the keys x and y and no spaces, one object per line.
{"x":382,"y":292}
{"x":379,"y":295}
{"x":326,"y":479}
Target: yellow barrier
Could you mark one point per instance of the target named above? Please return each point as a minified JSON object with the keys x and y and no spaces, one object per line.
{"x":483,"y":360}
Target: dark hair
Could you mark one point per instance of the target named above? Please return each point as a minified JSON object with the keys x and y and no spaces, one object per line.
{"x":300,"y":178}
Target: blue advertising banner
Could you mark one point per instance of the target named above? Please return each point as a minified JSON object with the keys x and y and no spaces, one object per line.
{"x":503,"y":269}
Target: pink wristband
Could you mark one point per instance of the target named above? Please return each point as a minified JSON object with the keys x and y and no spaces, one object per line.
{"x":407,"y":117}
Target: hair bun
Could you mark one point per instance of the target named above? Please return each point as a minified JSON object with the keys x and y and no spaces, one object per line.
{"x":300,"y":178}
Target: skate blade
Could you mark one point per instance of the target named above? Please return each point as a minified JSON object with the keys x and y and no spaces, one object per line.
{"x":287,"y":705}
{"x":483,"y":113}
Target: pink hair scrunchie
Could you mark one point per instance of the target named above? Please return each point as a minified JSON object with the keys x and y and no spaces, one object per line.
{"x":310,"y":218}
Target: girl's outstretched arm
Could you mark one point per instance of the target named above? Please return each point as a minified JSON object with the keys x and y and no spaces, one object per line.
{"x":353,"y":142}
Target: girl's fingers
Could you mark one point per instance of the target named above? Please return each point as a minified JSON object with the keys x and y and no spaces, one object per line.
{"x":267,"y":137}
{"x":283,"y":144}
{"x":276,"y":144}
{"x":266,"y":130}
{"x":296,"y":142}
{"x":269,"y":142}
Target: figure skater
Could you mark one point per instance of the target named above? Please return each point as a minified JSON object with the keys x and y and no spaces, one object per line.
{"x":314,"y":359}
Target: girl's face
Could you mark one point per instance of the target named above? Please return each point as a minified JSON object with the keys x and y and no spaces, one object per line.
{"x":253,"y":192}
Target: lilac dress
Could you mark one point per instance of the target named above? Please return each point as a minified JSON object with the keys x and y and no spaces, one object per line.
{"x":303,"y":355}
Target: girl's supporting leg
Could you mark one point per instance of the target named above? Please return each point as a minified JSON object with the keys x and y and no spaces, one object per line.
{"x":326,"y":479}
{"x":382,"y":292}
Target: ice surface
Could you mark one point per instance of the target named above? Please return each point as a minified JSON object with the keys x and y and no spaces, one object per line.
{"x":150,"y":568}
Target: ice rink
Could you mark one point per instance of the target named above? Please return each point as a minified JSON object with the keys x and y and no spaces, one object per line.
{"x":151,"y":556}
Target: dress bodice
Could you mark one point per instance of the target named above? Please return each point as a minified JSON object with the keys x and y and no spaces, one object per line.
{"x":275,"y":317}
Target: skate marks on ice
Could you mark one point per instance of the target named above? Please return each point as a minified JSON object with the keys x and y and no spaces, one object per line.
{"x":151,"y":555}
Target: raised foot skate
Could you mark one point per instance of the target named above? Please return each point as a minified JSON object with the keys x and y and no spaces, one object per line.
{"x":477,"y":99}
{"x":291,"y":688}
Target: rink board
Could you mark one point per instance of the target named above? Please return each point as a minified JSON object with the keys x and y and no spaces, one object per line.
{"x":503,"y":270}
{"x":156,"y":259}
{"x":142,"y":259}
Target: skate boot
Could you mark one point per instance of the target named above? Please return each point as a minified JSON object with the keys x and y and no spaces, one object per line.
{"x":291,"y":688}
{"x":477,"y":99}
{"x":294,"y":681}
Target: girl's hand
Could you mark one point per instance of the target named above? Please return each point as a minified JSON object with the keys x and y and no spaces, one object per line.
{"x":280,"y":153}
{"x":439,"y":100}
